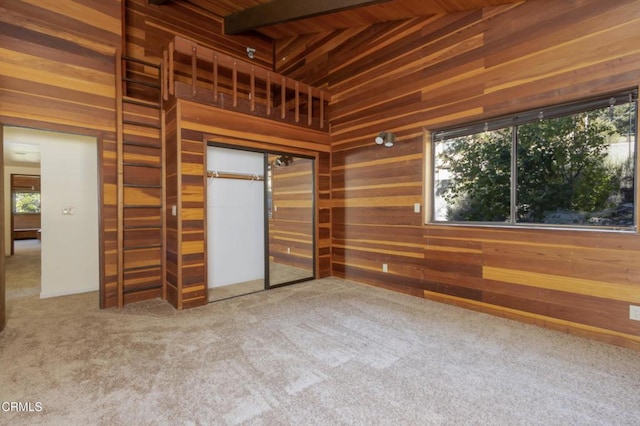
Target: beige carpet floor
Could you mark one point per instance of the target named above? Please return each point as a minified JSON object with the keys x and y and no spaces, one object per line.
{"x":323,"y":352}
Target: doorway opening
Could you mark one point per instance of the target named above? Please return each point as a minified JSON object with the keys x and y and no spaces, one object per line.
{"x":62,"y":248}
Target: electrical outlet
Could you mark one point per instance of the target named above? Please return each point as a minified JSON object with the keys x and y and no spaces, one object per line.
{"x":385,"y":267}
{"x":67,"y":210}
{"x":288,"y":250}
{"x":416,"y":208}
{"x":174,"y":210}
{"x":634,"y":312}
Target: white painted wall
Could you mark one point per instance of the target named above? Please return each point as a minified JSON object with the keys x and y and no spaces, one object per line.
{"x":8,"y":171}
{"x":235,"y":218}
{"x":70,"y":243}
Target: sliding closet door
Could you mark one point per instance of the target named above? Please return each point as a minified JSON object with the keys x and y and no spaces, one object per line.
{"x":235,"y":222}
{"x":291,"y":219}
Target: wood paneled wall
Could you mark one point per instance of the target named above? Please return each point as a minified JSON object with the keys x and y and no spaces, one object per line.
{"x":422,"y":74}
{"x":195,"y":125}
{"x":150,"y":28}
{"x":26,"y":221}
{"x":57,"y":72}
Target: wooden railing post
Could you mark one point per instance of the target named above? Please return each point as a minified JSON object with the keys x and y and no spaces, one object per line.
{"x":215,"y":77}
{"x":171,"y":79}
{"x":235,"y":83}
{"x":165,"y":75}
{"x":322,"y":109}
{"x":297,"y":101}
{"x":194,"y":69}
{"x":309,"y":106}
{"x":268,"y":93}
{"x":252,"y":94}
{"x":283,"y":101}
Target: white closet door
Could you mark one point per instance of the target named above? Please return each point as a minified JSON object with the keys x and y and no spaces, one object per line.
{"x":235,"y":218}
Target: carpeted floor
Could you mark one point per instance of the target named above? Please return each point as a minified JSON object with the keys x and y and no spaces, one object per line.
{"x":321,"y":352}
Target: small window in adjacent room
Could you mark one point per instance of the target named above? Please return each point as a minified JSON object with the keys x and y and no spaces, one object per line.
{"x":26,"y":202}
{"x":570,"y":165}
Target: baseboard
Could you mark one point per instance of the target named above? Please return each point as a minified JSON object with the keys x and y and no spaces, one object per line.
{"x":577,"y":329}
{"x":66,"y":293}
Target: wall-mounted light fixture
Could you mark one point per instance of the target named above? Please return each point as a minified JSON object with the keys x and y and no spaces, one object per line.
{"x":385,"y":138}
{"x":284,"y":160}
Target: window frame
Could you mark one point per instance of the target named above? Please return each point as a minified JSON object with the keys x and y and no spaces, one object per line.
{"x":14,"y":204}
{"x":431,"y":137}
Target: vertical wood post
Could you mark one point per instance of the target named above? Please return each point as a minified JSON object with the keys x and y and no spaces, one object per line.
{"x":215,"y":76}
{"x":283,"y":101}
{"x":171,"y":81}
{"x":120,"y":181}
{"x":268,"y":93}
{"x":297,"y":101}
{"x":252,"y":94}
{"x":310,"y":106}
{"x":235,"y":83}
{"x":194,"y":69}
{"x":322,"y":109}
{"x":165,"y":75}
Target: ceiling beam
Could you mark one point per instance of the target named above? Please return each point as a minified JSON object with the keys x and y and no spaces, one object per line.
{"x":280,"y":11}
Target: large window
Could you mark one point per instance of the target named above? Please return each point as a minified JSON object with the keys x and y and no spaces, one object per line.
{"x":567,"y":165}
{"x":25,"y":202}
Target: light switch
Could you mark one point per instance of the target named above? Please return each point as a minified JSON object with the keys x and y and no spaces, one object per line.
{"x":416,"y":208}
{"x":174,"y":210}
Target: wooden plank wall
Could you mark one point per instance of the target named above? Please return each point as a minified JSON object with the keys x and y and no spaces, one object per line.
{"x":150,"y":28}
{"x":422,"y":74}
{"x":58,"y":73}
{"x":197,"y":124}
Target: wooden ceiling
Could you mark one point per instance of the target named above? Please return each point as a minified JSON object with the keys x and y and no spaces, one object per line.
{"x":392,"y":10}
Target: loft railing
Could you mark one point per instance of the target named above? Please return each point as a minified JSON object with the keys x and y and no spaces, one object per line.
{"x":204,"y":75}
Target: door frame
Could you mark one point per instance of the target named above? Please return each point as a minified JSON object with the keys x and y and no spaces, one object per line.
{"x":210,"y":140}
{"x":56,"y":128}
{"x":3,"y":315}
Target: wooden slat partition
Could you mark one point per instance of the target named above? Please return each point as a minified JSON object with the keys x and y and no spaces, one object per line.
{"x":425,"y":73}
{"x":244,"y":96}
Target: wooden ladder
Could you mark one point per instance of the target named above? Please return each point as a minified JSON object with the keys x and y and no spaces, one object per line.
{"x":141,"y":176}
